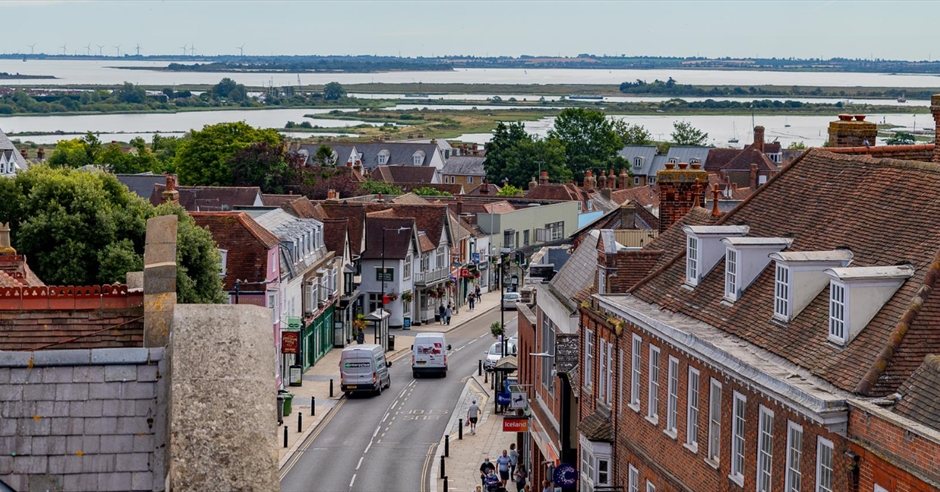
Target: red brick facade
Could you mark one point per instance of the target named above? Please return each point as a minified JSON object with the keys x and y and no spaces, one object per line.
{"x":885,"y":445}
{"x":677,"y":190}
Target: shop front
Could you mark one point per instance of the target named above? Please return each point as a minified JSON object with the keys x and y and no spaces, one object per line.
{"x":317,"y":336}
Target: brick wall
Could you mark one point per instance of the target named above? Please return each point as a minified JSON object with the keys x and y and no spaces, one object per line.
{"x":665,"y":460}
{"x":71,"y":329}
{"x":885,"y":445}
{"x":69,"y":297}
{"x":78,"y":420}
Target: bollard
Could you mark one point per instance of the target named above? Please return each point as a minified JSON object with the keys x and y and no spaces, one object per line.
{"x":285,"y":436}
{"x":445,"y":484}
{"x":460,"y":429}
{"x":313,"y":405}
{"x":442,"y":466}
{"x":486,"y":377}
{"x":447,"y":445}
{"x":331,"y":387}
{"x":300,"y":422}
{"x":479,"y":367}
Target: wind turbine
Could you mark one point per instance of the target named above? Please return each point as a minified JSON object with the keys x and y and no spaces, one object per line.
{"x":138,"y":49}
{"x":100,"y":47}
{"x":64,"y":48}
{"x":88,"y":50}
{"x":118,"y":48}
{"x":192,"y":49}
{"x":241,"y":50}
{"x":184,"y":49}
{"x":32,"y":48}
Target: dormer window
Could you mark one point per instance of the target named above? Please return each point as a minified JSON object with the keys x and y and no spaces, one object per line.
{"x":637,"y":161}
{"x":799,"y":276}
{"x":857,"y":294}
{"x":745,"y":259}
{"x":691,"y":260}
{"x":590,"y":205}
{"x":418,"y":158}
{"x":383,"y":157}
{"x":704,"y":249}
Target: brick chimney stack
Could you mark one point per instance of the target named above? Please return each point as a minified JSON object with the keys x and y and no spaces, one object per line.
{"x":41,"y":154}
{"x":759,"y":138}
{"x":533,"y":183}
{"x":23,"y":153}
{"x":849,"y":133}
{"x":624,"y":179}
{"x":602,"y":180}
{"x":170,"y":194}
{"x":543,"y":178}
{"x":676,"y":191}
{"x":753,"y":176}
{"x":935,"y":111}
{"x":6,"y":249}
{"x":589,"y":181}
{"x":628,"y":215}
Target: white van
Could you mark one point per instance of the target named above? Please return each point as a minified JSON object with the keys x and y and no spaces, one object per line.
{"x":363,"y":368}
{"x":429,"y":354}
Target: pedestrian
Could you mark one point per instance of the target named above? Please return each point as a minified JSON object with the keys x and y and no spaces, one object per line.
{"x":472,"y":413}
{"x":502,"y":464}
{"x":546,"y":486}
{"x":492,"y":481}
{"x":520,"y":476}
{"x":361,"y":336}
{"x":448,"y":313}
{"x":470,"y":300}
{"x":485,"y":468}
{"x":478,"y":291}
{"x":442,"y":311}
{"x":513,"y":459}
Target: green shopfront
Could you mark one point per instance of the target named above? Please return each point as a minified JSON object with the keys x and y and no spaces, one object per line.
{"x":318,"y":337}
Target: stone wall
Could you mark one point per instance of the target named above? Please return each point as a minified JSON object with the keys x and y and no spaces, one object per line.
{"x":82,"y":419}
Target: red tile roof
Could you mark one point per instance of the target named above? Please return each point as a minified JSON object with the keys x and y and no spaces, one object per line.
{"x":717,"y":158}
{"x":14,"y":272}
{"x":876,"y":208}
{"x":920,"y":394}
{"x":334,"y":235}
{"x":210,"y":198}
{"x":303,"y":208}
{"x":916,"y":152}
{"x":645,"y":196}
{"x":393,"y":245}
{"x":750,"y":155}
{"x":247,"y":243}
{"x":501,"y":207}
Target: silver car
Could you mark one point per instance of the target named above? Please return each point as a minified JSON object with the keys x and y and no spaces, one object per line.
{"x":496,"y":352}
{"x":510,"y":299}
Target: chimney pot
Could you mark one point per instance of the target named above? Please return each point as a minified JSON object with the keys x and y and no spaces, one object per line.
{"x":683,"y":165}
{"x":860,"y":117}
{"x":845,"y":117}
{"x":670,"y":165}
{"x":41,"y":153}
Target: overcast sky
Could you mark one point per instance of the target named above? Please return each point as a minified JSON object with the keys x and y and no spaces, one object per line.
{"x":747,"y":28}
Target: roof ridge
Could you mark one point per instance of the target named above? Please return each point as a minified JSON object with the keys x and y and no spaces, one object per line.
{"x":243,"y":218}
{"x":901,"y":328}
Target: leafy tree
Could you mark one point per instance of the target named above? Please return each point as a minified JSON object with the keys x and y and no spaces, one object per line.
{"x":590,"y":140}
{"x":130,"y":94}
{"x":517,"y":156}
{"x":323,"y":156}
{"x":685,"y":134}
{"x":631,"y":134}
{"x":270,"y":167}
{"x":81,"y":227}
{"x":509,"y":190}
{"x":115,"y":160}
{"x":797,"y":145}
{"x":428,"y":191}
{"x":900,"y":138}
{"x":333,"y":91}
{"x":376,"y":187}
{"x":204,"y":157}
{"x":76,"y":152}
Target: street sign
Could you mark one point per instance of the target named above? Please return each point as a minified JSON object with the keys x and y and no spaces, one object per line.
{"x":515,"y":424}
{"x":502,"y":398}
{"x":290,"y":342}
{"x":293,"y":323}
{"x":565,"y":475}
{"x":518,"y":400}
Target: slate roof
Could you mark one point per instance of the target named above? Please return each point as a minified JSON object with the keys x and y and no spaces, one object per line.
{"x":211,"y":198}
{"x":245,"y":240}
{"x":645,"y":152}
{"x":9,"y":150}
{"x":142,"y":184}
{"x":682,"y":153}
{"x":404,"y":174}
{"x":824,"y":201}
{"x":400,"y":153}
{"x":396,"y":244}
{"x":920,"y":394}
{"x":578,"y":272}
{"x":464,"y":165}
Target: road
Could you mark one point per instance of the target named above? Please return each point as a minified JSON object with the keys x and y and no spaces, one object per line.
{"x":384,"y":443}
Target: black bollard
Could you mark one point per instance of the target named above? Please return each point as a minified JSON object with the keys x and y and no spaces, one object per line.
{"x":460,"y":429}
{"x":445,"y":484}
{"x":300,"y":422}
{"x":486,"y":377}
{"x":313,"y":405}
{"x":331,"y":387}
{"x":442,"y":466}
{"x":447,"y":445}
{"x":479,"y":367}
{"x":285,"y":436}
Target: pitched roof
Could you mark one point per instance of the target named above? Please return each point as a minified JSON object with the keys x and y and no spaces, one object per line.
{"x":578,"y":272}
{"x":304,"y":208}
{"x":824,"y":201}
{"x":404,"y":174}
{"x":920,"y":394}
{"x":750,"y":155}
{"x":645,"y":196}
{"x":211,"y":198}
{"x":141,"y":184}
{"x":464,"y":165}
{"x":717,"y":158}
{"x":8,"y":150}
{"x":644,"y":152}
{"x":478,"y":190}
{"x":355,"y":213}
{"x":500,"y":207}
{"x":915,"y":152}
{"x":14,"y":272}
{"x":270,"y":200}
{"x":410,"y":198}
{"x":596,"y":426}
{"x":682,"y":153}
{"x":395,"y":243}
{"x":245,"y":240}
{"x":399,"y":153}
{"x":334,"y":234}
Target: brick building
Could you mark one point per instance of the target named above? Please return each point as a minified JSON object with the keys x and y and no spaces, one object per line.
{"x":789,"y":344}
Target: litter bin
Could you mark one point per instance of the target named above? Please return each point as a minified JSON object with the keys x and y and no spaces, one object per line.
{"x":280,"y":408}
{"x":391,"y":342}
{"x":287,"y":397}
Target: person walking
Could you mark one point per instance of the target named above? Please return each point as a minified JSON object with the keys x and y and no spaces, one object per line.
{"x":470,"y":300}
{"x":442,"y":311}
{"x":472,"y":413}
{"x":502,"y":464}
{"x":546,"y":486}
{"x":361,"y":336}
{"x":492,"y":481}
{"x":477,"y":292}
{"x":513,"y":459}
{"x":485,"y":469}
{"x":448,"y":313}
{"x":520,"y":477}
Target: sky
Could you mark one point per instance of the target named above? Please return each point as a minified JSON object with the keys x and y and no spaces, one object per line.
{"x":748,"y":28}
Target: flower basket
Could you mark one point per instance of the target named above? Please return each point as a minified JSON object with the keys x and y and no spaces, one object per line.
{"x":393,"y":296}
{"x":432,"y":294}
{"x":407,"y":297}
{"x":497,"y":329}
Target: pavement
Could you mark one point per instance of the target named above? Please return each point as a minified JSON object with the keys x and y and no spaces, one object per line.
{"x":319,"y":378}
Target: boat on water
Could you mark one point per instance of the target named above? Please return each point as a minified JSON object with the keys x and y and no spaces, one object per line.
{"x":413,"y":94}
{"x":734,"y":139}
{"x":583,"y":97}
{"x":902,"y":99}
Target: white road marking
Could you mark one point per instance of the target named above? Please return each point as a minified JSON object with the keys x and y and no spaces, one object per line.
{"x":367,"y":448}
{"x":360,"y":462}
{"x":351,"y":482}
{"x":385,"y":417}
{"x":377,"y":429}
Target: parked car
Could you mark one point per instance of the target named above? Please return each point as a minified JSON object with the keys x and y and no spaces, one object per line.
{"x":496,"y":352}
{"x":510,"y":299}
